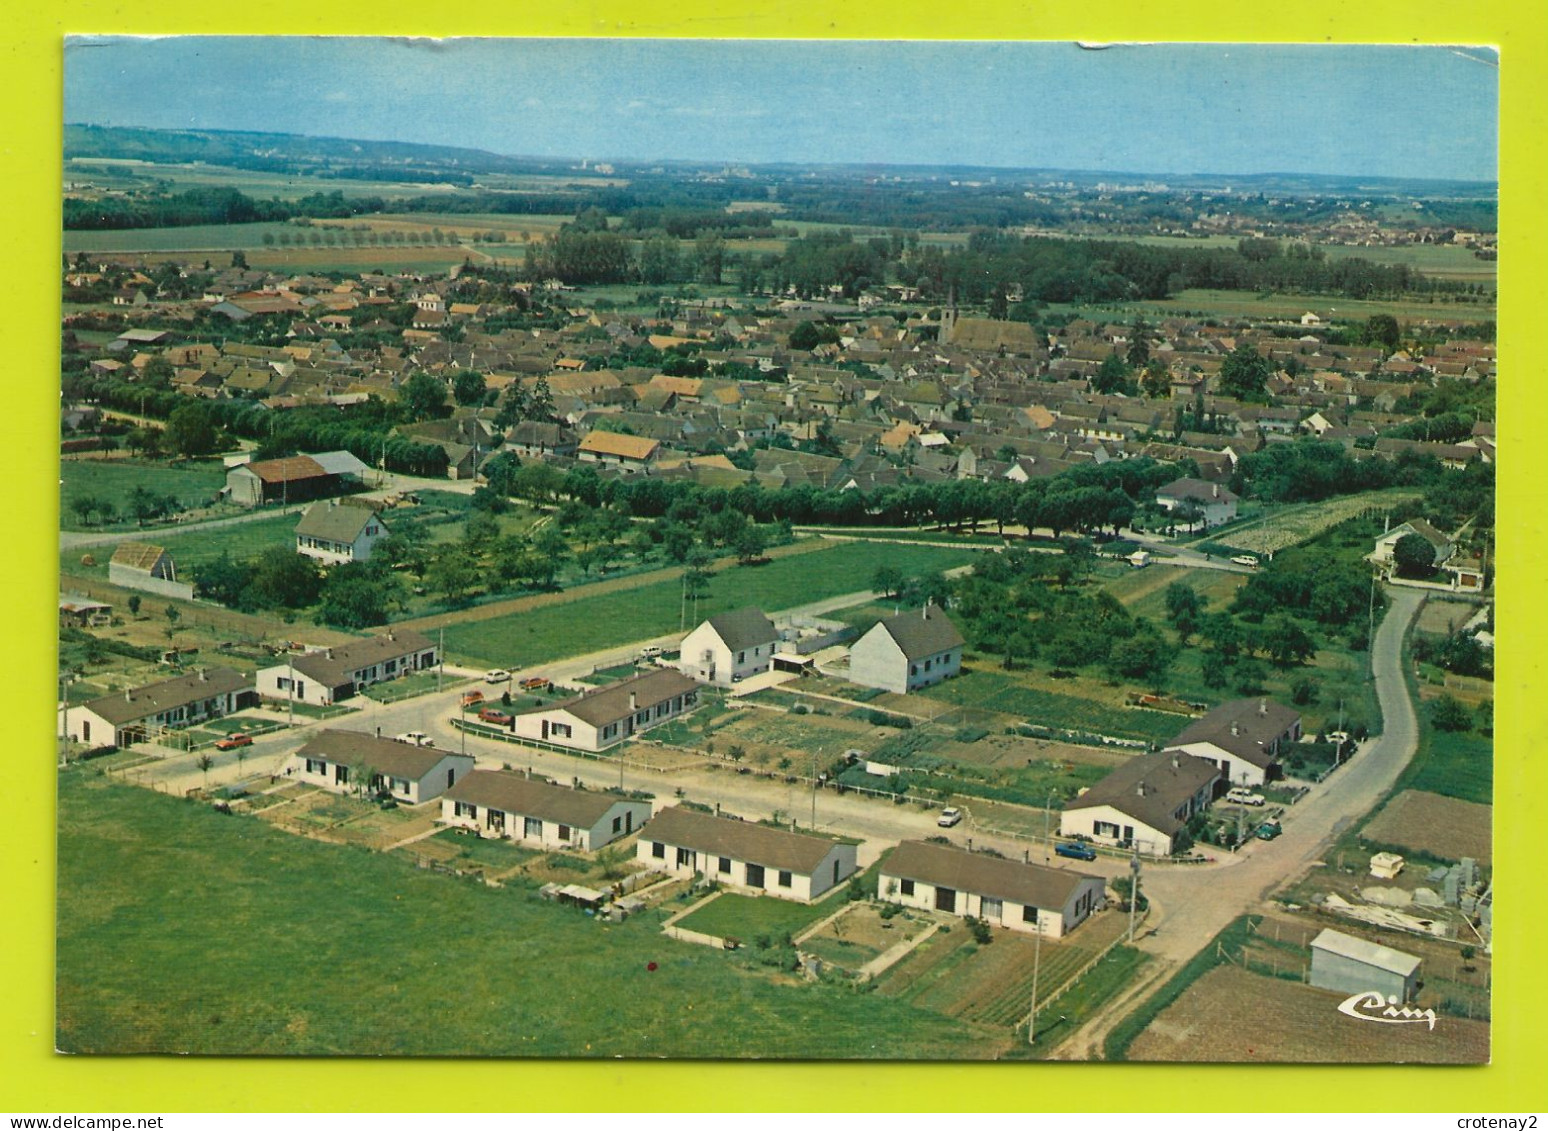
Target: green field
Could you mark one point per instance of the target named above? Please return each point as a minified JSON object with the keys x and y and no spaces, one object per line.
{"x":112,"y":480}
{"x":590,"y":624}
{"x":1005,"y":694}
{"x":197,"y":237}
{"x":220,"y":935}
{"x":1250,"y":304}
{"x":241,"y":540}
{"x":745,"y":917}
{"x":1451,"y":763}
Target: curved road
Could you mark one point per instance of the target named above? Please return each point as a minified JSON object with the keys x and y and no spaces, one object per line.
{"x":1190,"y":905}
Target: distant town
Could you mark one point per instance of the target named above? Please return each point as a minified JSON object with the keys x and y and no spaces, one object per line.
{"x":576,"y":609}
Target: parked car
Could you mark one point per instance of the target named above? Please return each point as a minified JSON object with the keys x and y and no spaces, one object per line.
{"x":416,"y":738}
{"x":469,"y":698}
{"x":1075,"y":851}
{"x":232,"y":741}
{"x":1247,"y":560}
{"x":537,"y":683}
{"x":498,"y":675}
{"x":950,"y":816}
{"x":1244,"y":796}
{"x":1268,"y":830}
{"x":495,"y":716}
{"x":651,"y":651}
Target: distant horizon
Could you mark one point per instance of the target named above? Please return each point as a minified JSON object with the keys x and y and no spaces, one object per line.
{"x":1267,"y":174}
{"x":1158,"y":110}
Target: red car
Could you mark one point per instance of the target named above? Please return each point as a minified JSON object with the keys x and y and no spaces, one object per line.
{"x":536,"y":683}
{"x":498,"y":718}
{"x":232,"y":741}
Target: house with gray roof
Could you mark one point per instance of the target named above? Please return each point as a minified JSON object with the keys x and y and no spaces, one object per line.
{"x":729,"y":647}
{"x":537,"y":813}
{"x":606,"y":716}
{"x":323,"y":676}
{"x":1212,"y":503}
{"x":335,"y":534}
{"x":135,"y":714}
{"x":1145,"y":803}
{"x":1005,"y":893}
{"x":348,"y":761}
{"x":800,"y":866}
{"x":908,"y":651}
{"x":1244,"y":737}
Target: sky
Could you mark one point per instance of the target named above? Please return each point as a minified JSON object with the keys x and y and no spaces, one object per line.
{"x":1203,"y":108}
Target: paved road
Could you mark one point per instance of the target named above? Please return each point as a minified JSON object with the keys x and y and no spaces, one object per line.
{"x":1190,"y":906}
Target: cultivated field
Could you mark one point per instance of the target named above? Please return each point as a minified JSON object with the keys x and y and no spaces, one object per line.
{"x":1230,"y":1015}
{"x":1441,"y":826}
{"x":1295,"y":524}
{"x":1247,"y":304}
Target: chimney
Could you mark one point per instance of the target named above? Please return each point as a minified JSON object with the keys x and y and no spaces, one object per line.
{"x":390,"y":635}
{"x":634,"y":702}
{"x":1263,"y":706}
{"x":1026,"y":856}
{"x":1176,"y":760}
{"x":1236,"y":727}
{"x":1139,"y":789}
{"x":204,"y":675}
{"x":128,"y":696}
{"x":1216,"y":491}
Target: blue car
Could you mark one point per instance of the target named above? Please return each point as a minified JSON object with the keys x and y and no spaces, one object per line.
{"x":1075,"y":851}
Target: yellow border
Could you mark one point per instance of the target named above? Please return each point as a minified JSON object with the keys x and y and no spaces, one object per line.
{"x":33,"y":1077}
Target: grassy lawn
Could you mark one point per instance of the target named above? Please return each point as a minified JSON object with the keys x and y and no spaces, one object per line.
{"x":408,"y":686}
{"x":112,"y":480}
{"x":1250,"y":304}
{"x":746,"y":917}
{"x":190,"y":550}
{"x":589,"y":624}
{"x":220,"y":935}
{"x":1012,"y":695}
{"x":312,"y":711}
{"x":497,"y":854}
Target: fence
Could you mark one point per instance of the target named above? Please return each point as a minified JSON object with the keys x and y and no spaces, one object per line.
{"x":1074,"y":981}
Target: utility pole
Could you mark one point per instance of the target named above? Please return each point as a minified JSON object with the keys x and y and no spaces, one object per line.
{"x":1037,"y":961}
{"x":814,"y":791}
{"x":1047,"y":853}
{"x":1134,"y":880}
{"x":290,"y":692}
{"x":440,"y":657}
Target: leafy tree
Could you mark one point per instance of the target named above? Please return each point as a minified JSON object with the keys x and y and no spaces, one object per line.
{"x":1286,"y":642}
{"x":84,"y":507}
{"x":453,"y":573}
{"x":1184,"y":609}
{"x":1139,"y":344}
{"x":1251,"y":676}
{"x":888,"y":581}
{"x":1244,"y":373}
{"x":1305,"y":692}
{"x":1382,"y":330}
{"x":1448,"y":713}
{"x":282,"y":578}
{"x":468,"y":387}
{"x":1112,"y":376}
{"x":480,"y":531}
{"x":1156,"y":381}
{"x":1414,"y":556}
{"x":134,"y":604}
{"x":225,"y":580}
{"x":423,"y":396}
{"x":1215,"y":670}
{"x":191,"y":430}
{"x":500,"y":473}
{"x":751,"y":543}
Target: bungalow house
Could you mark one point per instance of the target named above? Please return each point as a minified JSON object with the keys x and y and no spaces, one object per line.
{"x":348,"y":761}
{"x":1145,"y":803}
{"x":778,"y":862}
{"x":294,"y":479}
{"x":605,"y":716}
{"x":539,"y":439}
{"x":729,"y":647}
{"x":497,"y":803}
{"x":1386,"y":545}
{"x":132,"y":715}
{"x":908,"y":651}
{"x":326,"y":675}
{"x":335,"y":534}
{"x":1007,"y":893}
{"x":1243,"y":737}
{"x":1214,"y":503}
{"x":629,"y":454}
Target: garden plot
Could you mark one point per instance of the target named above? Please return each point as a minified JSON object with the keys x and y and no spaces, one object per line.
{"x":1446,"y":827}
{"x":1231,"y":1015}
{"x":1296,"y":524}
{"x":863,"y":933}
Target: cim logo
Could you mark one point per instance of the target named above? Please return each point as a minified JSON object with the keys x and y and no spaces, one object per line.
{"x":1369,"y":1005}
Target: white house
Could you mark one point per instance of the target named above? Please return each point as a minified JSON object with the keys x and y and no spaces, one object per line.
{"x":135,"y":714}
{"x":607,"y":715}
{"x":325,"y":675}
{"x":906,"y":652}
{"x":347,"y":761}
{"x":738,"y":853}
{"x":1386,"y":545}
{"x":1214,"y":503}
{"x":1244,"y":737}
{"x":1007,"y":893}
{"x":1145,"y":803}
{"x":496,"y":803}
{"x":729,"y":647}
{"x":335,"y":533}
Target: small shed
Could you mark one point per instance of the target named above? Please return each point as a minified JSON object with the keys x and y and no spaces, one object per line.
{"x":1352,"y":965}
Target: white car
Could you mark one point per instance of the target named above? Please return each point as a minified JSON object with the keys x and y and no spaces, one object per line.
{"x":950,"y":816}
{"x":651,"y":651}
{"x":416,"y":738}
{"x":498,"y":675}
{"x":1246,"y":560}
{"x":1244,"y":796}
